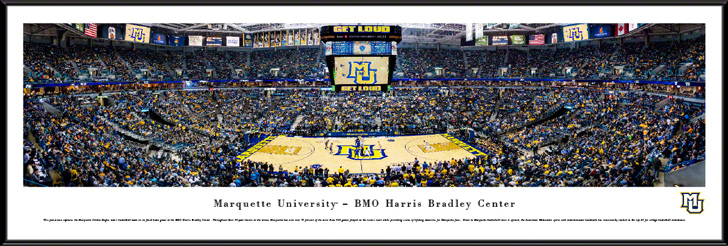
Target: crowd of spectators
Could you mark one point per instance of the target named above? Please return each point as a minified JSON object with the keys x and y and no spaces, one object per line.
{"x":125,"y":113}
{"x":423,"y":63}
{"x":594,"y":138}
{"x":40,"y":60}
{"x":609,"y":140}
{"x":48,"y":63}
{"x":518,"y":66}
{"x":76,"y":148}
{"x":670,"y":60}
{"x":291,"y":64}
{"x":117,"y":68}
{"x":87,"y":58}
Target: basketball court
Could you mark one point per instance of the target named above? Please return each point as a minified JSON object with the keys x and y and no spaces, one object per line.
{"x":375,"y":154}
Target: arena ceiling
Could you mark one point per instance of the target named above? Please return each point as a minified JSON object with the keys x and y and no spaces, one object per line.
{"x":442,"y":33}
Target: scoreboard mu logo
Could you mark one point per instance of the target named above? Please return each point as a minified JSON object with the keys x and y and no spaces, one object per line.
{"x":362,"y":73}
{"x":692,"y":203}
{"x":137,"y":34}
{"x":367,"y":152}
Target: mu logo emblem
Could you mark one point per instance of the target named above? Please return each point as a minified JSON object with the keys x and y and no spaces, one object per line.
{"x":362,"y":73}
{"x":367,"y":152}
{"x":137,"y":34}
{"x":692,"y":203}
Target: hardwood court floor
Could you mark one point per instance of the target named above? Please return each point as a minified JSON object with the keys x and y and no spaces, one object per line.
{"x":298,"y":151}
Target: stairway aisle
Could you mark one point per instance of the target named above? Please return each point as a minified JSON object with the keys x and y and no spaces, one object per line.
{"x":495,"y":111}
{"x":295,"y":123}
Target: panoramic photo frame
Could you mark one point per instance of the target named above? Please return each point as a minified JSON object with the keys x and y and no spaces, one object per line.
{"x":456,"y":108}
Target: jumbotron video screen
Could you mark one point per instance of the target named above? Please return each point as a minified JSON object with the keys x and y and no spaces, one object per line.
{"x":361,"y":70}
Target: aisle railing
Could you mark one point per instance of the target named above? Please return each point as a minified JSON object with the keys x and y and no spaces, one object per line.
{"x":674,"y":167}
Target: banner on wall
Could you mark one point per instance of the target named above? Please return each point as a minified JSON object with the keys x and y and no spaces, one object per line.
{"x":296,"y":37}
{"x":248,"y":40}
{"x":518,"y":39}
{"x":266,"y":39}
{"x":537,"y":39}
{"x":289,"y":38}
{"x":478,"y":31}
{"x":310,"y":37}
{"x":195,"y":40}
{"x":554,"y":38}
{"x":316,"y":37}
{"x":576,"y":33}
{"x":277,"y":35}
{"x":158,"y":38}
{"x":261,"y":40}
{"x":112,"y":32}
{"x":633,"y":26}
{"x":482,"y":41}
{"x":272,"y":39}
{"x":232,"y":41}
{"x":621,"y":28}
{"x":213,"y":41}
{"x":175,"y":40}
{"x":90,"y":29}
{"x":280,"y":37}
{"x":601,"y":31}
{"x":500,"y":40}
{"x":302,"y":37}
{"x":78,"y":26}
{"x":468,"y":32}
{"x":284,"y":38}
{"x":139,"y":34}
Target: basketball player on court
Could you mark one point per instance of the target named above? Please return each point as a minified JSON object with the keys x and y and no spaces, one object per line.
{"x":367,"y":151}
{"x":326,"y":145}
{"x":358,"y":146}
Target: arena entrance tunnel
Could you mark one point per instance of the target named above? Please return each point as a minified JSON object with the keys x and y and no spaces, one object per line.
{"x":558,"y":113}
{"x":155,"y":117}
{"x":129,"y":138}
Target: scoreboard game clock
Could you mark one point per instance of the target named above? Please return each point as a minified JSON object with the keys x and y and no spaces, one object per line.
{"x":361,"y":58}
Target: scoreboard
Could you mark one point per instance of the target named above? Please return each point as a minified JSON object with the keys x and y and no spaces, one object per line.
{"x":361,"y":48}
{"x":361,"y":57}
{"x":361,"y":32}
{"x":356,"y":73}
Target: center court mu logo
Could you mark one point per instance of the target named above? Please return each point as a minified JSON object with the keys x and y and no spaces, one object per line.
{"x":367,"y":152}
{"x":692,"y":203}
{"x":362,"y":73}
